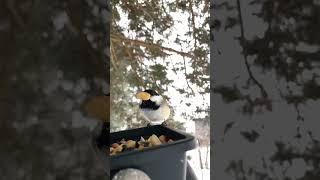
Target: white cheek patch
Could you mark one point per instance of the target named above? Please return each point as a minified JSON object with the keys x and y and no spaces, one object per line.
{"x":157,"y":99}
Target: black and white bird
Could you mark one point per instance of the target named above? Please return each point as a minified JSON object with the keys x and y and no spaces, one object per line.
{"x":153,"y":107}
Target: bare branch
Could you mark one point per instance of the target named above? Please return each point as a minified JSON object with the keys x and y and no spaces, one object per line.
{"x":113,"y":57}
{"x":206,"y":5}
{"x":185,"y":73}
{"x":193,"y":23}
{"x":200,"y":158}
{"x":16,"y":17}
{"x":163,"y":8}
{"x":263,"y":91}
{"x":121,"y":39}
{"x":132,"y":58}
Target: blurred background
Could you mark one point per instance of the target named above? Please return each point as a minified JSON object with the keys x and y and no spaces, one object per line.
{"x":53,"y":63}
{"x":163,"y":45}
{"x":267,"y":89}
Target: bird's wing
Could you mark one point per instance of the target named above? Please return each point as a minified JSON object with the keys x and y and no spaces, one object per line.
{"x":165,"y":110}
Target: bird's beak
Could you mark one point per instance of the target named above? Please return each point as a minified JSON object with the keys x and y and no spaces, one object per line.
{"x":143,"y":96}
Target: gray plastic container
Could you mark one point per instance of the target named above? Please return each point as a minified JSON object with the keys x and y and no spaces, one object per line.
{"x":163,"y":162}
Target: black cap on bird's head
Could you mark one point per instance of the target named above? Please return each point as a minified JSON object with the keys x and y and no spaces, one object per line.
{"x":151,"y":92}
{"x":149,"y":99}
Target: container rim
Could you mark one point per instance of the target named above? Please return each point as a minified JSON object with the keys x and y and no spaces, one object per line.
{"x":186,"y":138}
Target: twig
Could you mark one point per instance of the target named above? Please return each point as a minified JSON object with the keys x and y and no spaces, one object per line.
{"x":206,"y":6}
{"x":299,"y":116}
{"x":185,"y":73}
{"x":16,"y":17}
{"x":206,"y":163}
{"x":200,"y":158}
{"x":295,"y":104}
{"x":141,"y":82}
{"x":193,"y":23}
{"x":116,"y":38}
{"x":114,"y":57}
{"x":263,"y":91}
{"x":164,"y":9}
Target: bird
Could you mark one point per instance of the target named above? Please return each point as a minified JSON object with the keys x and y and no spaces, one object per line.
{"x":153,"y":107}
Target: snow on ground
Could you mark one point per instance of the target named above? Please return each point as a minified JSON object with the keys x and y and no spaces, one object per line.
{"x":202,"y":174}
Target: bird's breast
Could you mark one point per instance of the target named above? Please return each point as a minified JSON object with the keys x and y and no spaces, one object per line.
{"x":160,"y":114}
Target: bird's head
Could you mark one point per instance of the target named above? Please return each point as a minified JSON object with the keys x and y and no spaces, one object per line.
{"x":149,"y":96}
